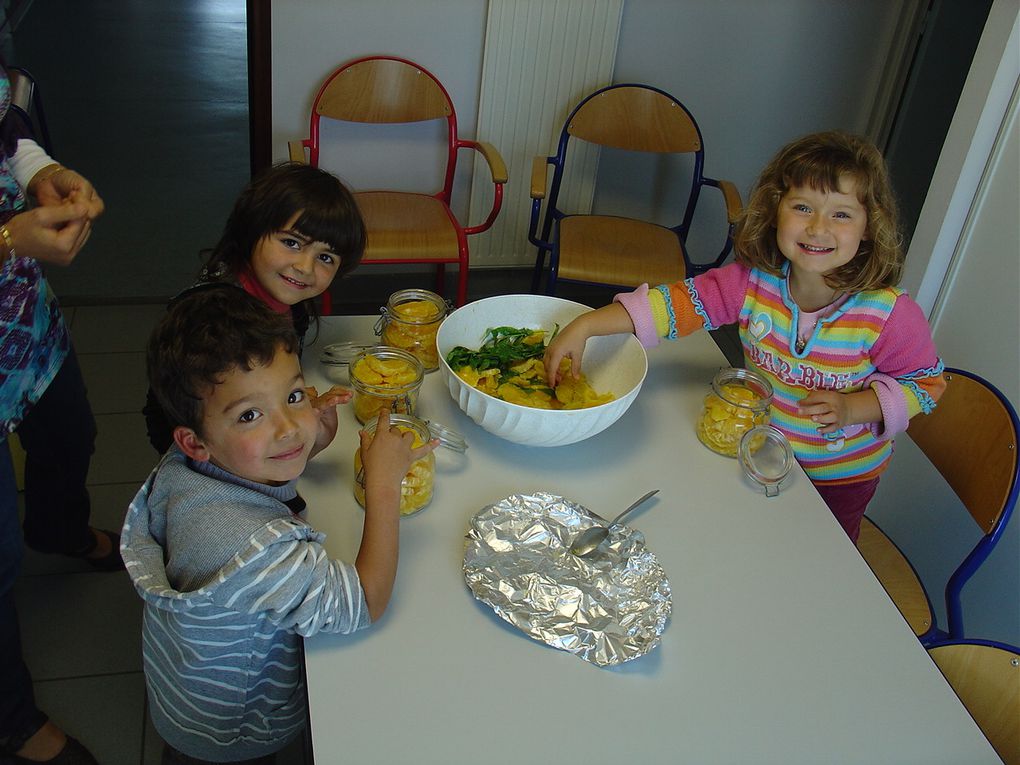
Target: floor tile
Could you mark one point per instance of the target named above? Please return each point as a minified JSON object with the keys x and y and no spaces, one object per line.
{"x":76,"y":625}
{"x":116,"y":382}
{"x":123,"y":453}
{"x":104,"y":713}
{"x":114,"y":328}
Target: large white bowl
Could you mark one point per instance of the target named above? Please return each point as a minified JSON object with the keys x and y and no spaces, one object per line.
{"x":616,"y":364}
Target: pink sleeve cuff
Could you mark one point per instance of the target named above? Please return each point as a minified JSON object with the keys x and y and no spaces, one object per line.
{"x":894,"y":408}
{"x":636,"y":304}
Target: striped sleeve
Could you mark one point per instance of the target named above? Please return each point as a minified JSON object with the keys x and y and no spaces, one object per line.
{"x":291,"y":579}
{"x":673,"y":310}
{"x":906,"y":352}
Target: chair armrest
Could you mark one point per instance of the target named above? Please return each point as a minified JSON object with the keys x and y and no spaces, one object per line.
{"x":732,"y":197}
{"x":297,"y":151}
{"x":493,"y":158}
{"x":539,"y":176}
{"x":499,"y":177}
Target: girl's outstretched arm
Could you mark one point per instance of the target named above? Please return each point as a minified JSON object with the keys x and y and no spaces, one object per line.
{"x":612,"y":319}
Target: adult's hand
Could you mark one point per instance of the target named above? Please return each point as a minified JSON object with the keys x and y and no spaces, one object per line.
{"x":51,"y":234}
{"x":66,"y":185}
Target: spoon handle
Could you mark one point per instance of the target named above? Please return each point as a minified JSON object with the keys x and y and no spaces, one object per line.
{"x":636,"y":503}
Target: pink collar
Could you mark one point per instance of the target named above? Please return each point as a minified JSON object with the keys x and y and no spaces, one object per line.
{"x":254,"y":288}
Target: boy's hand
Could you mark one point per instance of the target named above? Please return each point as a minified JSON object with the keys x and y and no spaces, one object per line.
{"x":388,"y":454}
{"x":832,"y":410}
{"x":326,"y":405}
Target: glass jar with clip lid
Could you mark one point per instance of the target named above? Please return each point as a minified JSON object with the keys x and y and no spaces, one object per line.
{"x":410,"y":321}
{"x":384,"y":377}
{"x":740,"y":399}
{"x":417,"y":486}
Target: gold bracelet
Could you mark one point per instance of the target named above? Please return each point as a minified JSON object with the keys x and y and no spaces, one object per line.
{"x":8,"y":242}
{"x":47,"y":172}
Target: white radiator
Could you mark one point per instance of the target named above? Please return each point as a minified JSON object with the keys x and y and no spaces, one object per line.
{"x":541,"y":57}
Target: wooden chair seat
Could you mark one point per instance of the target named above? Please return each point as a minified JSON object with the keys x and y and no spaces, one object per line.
{"x":404,"y":227}
{"x":896,"y":575}
{"x":625,"y":251}
{"x":987,"y":680}
{"x":612,"y":250}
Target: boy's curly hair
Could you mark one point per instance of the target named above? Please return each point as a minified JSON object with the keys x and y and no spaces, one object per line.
{"x":204,"y":334}
{"x":328,"y":213}
{"x":820,"y":161}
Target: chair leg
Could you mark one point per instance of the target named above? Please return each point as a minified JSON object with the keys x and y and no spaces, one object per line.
{"x":536,"y":274}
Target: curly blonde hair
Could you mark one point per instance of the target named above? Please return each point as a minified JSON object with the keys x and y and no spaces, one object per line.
{"x":820,"y":161}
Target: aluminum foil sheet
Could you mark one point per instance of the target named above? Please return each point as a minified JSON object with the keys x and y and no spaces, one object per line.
{"x":606,"y":609}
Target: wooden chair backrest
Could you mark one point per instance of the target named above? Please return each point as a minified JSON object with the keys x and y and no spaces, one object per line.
{"x":382,"y":90}
{"x":971,"y":441}
{"x":635,"y":118}
{"x":987,"y":680}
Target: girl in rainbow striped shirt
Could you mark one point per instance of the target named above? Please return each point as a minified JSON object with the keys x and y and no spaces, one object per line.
{"x":813,"y":292}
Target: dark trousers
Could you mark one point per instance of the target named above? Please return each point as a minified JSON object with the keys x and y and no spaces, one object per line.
{"x":172,"y":757}
{"x":58,"y":436}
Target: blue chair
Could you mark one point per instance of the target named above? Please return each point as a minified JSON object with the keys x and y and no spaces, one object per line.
{"x":971,"y":439}
{"x":986,"y":677}
{"x":616,"y":250}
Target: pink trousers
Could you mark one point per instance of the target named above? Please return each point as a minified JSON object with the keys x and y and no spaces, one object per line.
{"x":848,"y":502}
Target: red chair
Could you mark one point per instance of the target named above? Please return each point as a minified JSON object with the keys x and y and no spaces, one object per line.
{"x":403,"y":227}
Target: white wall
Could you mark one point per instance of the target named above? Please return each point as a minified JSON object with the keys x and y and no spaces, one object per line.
{"x":964,"y":264}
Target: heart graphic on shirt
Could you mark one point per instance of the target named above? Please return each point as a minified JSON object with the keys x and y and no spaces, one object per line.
{"x":761,"y":326}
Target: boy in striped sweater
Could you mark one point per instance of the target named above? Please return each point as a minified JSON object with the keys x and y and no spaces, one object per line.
{"x":230,"y":577}
{"x":813,"y":293}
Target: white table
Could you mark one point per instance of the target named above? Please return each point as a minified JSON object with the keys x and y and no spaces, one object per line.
{"x":782,"y":646}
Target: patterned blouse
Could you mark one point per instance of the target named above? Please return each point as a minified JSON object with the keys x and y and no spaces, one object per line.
{"x":33,"y":338}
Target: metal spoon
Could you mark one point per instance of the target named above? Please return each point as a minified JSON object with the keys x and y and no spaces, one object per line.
{"x":588,"y":540}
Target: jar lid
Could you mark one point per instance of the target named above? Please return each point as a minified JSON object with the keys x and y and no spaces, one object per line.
{"x":340,"y":354}
{"x":766,"y":457}
{"x":448,"y":437}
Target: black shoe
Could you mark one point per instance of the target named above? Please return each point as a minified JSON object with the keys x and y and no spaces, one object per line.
{"x":73,"y":753}
{"x":109,"y":562}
